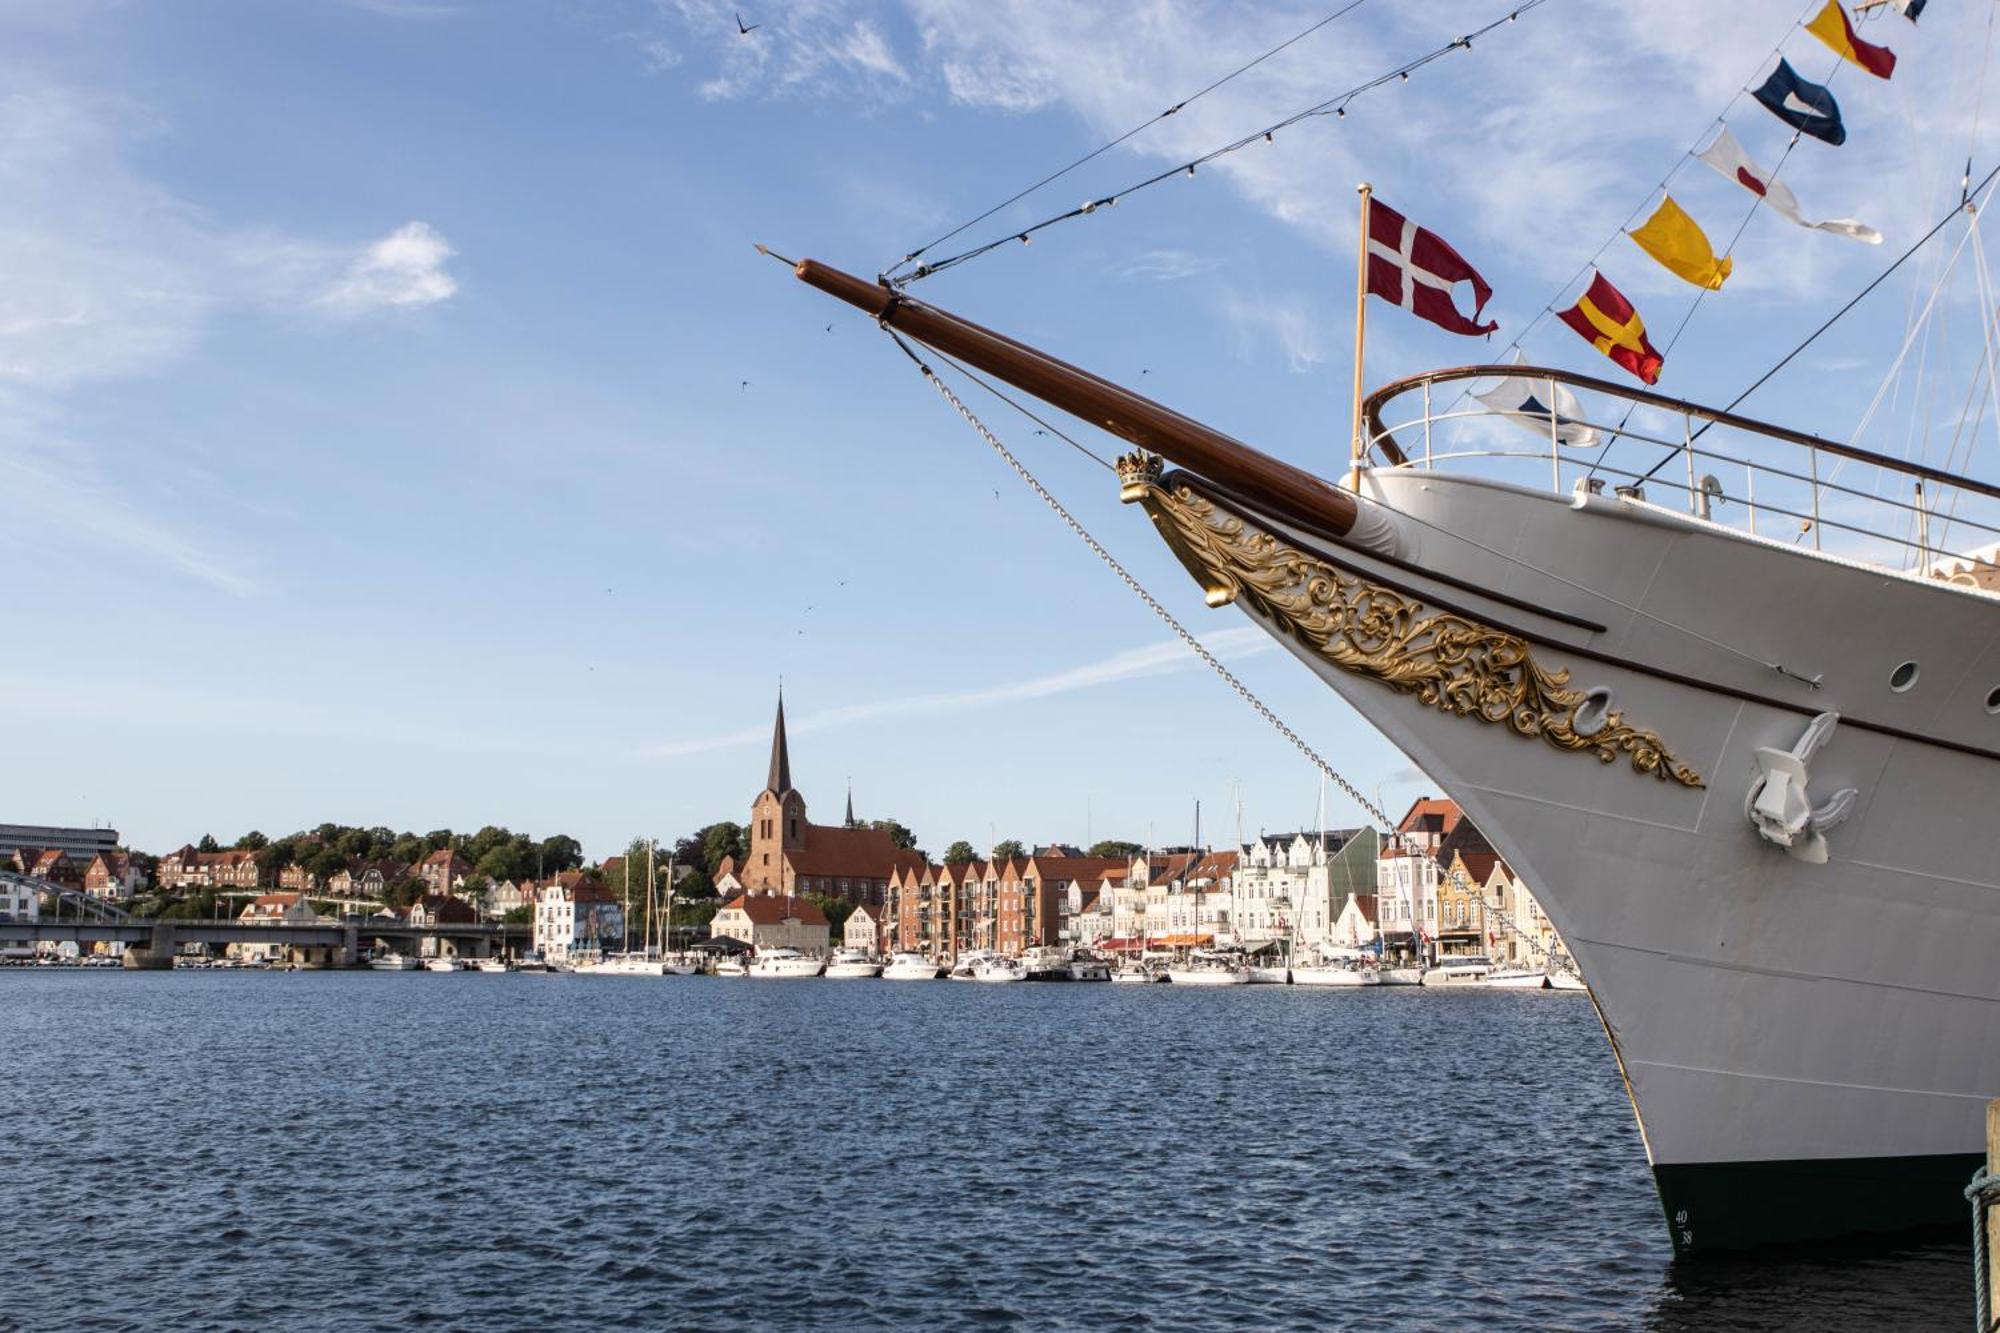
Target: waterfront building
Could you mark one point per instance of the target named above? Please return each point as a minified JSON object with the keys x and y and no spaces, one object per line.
{"x":113,"y":875}
{"x":50,"y":863}
{"x":296,"y":878}
{"x":791,"y":854}
{"x":862,"y":931}
{"x":576,"y":915}
{"x":1053,"y":890}
{"x":443,"y":870}
{"x":278,"y":909}
{"x":772,"y":921}
{"x":1355,"y":927}
{"x":507,"y":896}
{"x":190,"y":869}
{"x":365,"y":879}
{"x":18,"y":902}
{"x":79,"y":844}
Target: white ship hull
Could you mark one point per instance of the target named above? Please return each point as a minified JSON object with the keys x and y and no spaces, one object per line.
{"x":910,"y":969}
{"x":1809,"y":1048}
{"x":1207,"y":976}
{"x":1335,"y":976}
{"x":785,"y":968}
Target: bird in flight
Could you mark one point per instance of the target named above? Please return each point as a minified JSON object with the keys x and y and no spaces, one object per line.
{"x":829,"y":328}
{"x":745,"y":29}
{"x":1145,"y":372}
{"x":1041,"y":432}
{"x":743,"y":384}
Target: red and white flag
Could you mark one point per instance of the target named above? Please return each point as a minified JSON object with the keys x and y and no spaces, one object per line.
{"x":1415,"y":269}
{"x":1727,"y":157}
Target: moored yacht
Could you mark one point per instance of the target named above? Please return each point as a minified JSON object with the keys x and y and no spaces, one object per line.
{"x":1002,"y":970}
{"x":1208,"y":969}
{"x":850,"y":964}
{"x":445,"y":963}
{"x":625,"y":965}
{"x":1046,"y":962}
{"x":1459,"y":970}
{"x":1517,"y":978}
{"x":785,"y":964}
{"x":911,"y":967}
{"x":1337,"y":971}
{"x":493,"y":964}
{"x":969,"y":963}
{"x":1087,"y":966}
{"x":394,"y":962}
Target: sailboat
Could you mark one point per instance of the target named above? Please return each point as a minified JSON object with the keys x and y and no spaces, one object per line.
{"x":1725,"y":757}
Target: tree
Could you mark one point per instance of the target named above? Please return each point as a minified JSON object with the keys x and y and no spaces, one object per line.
{"x":208,"y":844}
{"x":403,"y":892}
{"x":251,"y":841}
{"x":561,"y":852}
{"x":1112,"y":847}
{"x":837,"y":911}
{"x":959,"y":853}
{"x":720,"y":839}
{"x":520,"y":916}
{"x":898,"y":834}
{"x":1009,"y":850}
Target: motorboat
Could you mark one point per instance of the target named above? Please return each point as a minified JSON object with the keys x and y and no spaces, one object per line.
{"x":492,"y":965}
{"x":1208,"y":969}
{"x":1087,"y":966}
{"x":731,"y":965}
{"x":395,"y":962}
{"x":625,"y":965}
{"x":969,"y":963}
{"x":1399,"y":976}
{"x":449,"y":963}
{"x":682,"y":965}
{"x":531,"y":962}
{"x":1000,"y":970}
{"x":911,"y":967}
{"x":849,"y":964}
{"x":1563,"y":975}
{"x":1137,"y":974}
{"x":1518,"y":978}
{"x":1046,"y":962}
{"x":1336,"y":972}
{"x":785,"y":964}
{"x":1459,"y":970}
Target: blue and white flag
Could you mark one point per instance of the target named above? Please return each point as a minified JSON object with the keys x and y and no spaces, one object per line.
{"x":1526,"y":402}
{"x":1807,"y":107}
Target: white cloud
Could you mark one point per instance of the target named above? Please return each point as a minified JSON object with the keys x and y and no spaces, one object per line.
{"x":1152,"y":660}
{"x":106,"y":274}
{"x":404,"y":268}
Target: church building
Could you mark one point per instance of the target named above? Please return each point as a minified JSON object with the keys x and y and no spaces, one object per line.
{"x":791,"y":854}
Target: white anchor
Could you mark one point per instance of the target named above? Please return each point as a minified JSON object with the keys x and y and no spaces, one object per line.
{"x":1778,"y":806}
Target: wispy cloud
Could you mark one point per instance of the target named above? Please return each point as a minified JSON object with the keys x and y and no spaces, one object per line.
{"x":423,"y":11}
{"x":1154,"y":659}
{"x":1168,"y":266}
{"x":404,"y":268}
{"x":1286,"y":322}
{"x":107,"y":275}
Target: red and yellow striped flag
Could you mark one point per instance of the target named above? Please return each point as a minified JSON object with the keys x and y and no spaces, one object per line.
{"x":1607,"y":321}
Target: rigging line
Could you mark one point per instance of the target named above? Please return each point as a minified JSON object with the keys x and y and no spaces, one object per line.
{"x":1835,"y":317}
{"x":1052,"y":429}
{"x":1153,"y":603}
{"x":1147,"y":124}
{"x":1720,"y":118}
{"x":1334,"y":105}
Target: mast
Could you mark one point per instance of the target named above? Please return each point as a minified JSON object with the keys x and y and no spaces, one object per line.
{"x":1358,"y":444}
{"x":652,"y":886}
{"x":1258,"y":477}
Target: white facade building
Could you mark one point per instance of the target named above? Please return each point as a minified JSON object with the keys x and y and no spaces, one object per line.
{"x":861,"y":930}
{"x":577,"y":918}
{"x":18,"y":902}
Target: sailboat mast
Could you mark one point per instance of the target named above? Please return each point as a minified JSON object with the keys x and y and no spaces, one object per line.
{"x":652,"y":884}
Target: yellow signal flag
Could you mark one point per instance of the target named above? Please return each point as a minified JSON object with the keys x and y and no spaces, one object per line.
{"x":1671,"y":237}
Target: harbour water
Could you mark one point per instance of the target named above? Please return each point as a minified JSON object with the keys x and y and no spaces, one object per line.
{"x":335,"y":1151}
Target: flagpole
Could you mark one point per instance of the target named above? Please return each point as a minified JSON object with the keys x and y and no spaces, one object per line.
{"x":1359,"y":448}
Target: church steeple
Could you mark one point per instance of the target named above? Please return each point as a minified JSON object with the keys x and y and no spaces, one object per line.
{"x":780,"y":780}
{"x":850,"y":803}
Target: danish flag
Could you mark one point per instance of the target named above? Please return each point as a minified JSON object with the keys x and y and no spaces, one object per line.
{"x":1416,"y":269}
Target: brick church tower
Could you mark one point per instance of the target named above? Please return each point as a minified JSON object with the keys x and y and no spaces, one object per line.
{"x":777,"y":818}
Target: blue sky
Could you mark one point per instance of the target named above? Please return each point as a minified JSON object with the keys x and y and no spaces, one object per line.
{"x":374,"y":444}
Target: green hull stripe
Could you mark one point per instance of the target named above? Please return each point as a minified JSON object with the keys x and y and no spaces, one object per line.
{"x":1738,"y":1205}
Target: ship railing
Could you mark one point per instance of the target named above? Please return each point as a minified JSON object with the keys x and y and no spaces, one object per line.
{"x":1648,"y":449}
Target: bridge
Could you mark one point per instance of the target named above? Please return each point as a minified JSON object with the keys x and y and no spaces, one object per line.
{"x":152,"y":943}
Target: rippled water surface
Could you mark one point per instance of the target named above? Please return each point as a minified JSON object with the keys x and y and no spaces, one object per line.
{"x":331,"y":1151}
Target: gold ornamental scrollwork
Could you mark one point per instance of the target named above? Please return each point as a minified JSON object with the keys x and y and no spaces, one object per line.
{"x":1446,"y":661}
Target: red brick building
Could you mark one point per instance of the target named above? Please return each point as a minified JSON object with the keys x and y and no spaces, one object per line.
{"x":791,"y":854}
